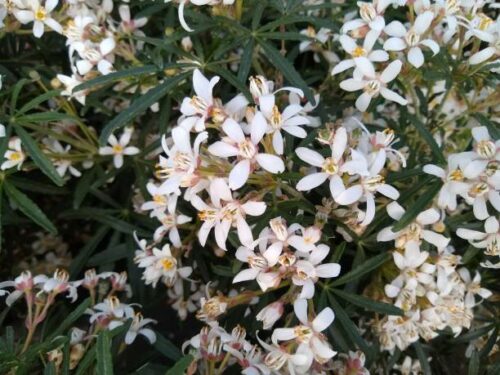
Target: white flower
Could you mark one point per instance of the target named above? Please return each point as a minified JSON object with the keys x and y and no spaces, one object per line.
{"x":308,"y":271}
{"x":119,"y":147}
{"x":58,"y":283}
{"x":224,"y":213}
{"x":415,"y":231}
{"x":22,"y":284}
{"x":349,"y":45}
{"x":490,"y":239}
{"x":159,"y":200}
{"x":308,"y":334}
{"x":332,"y":168}
{"x":371,"y":15}
{"x":246,"y":150}
{"x":411,"y":39}
{"x":70,"y":82}
{"x":179,"y":169}
{"x":493,"y":38}
{"x":40,"y":16}
{"x":473,"y":287}
{"x":290,"y":121}
{"x":137,"y":328}
{"x":62,"y":165}
{"x":170,"y":220}
{"x":110,"y":308}
{"x":260,"y":266}
{"x":161,"y":265}
{"x":14,"y":155}
{"x":270,"y":314}
{"x":365,"y":78}
{"x":95,"y":55}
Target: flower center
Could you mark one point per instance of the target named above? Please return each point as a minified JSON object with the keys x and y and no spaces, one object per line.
{"x":358,"y":52}
{"x":372,"y":87}
{"x":372,"y":183}
{"x":168,"y":263}
{"x":40,"y":14}
{"x":456,"y":175}
{"x":276,"y":118}
{"x":492,"y":168}
{"x":303,"y":333}
{"x":207,"y":215}
{"x":367,"y":12}
{"x":117,"y":149}
{"x":478,"y":189}
{"x":182,"y":161}
{"x":200,"y":105}
{"x":412,"y":38}
{"x":486,"y":149}
{"x":257,"y":262}
{"x":330,"y":166}
{"x":160,"y":199}
{"x":247,"y":149}
{"x":15,"y":156}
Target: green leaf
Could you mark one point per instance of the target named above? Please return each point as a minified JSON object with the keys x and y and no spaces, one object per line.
{"x":493,"y":128}
{"x":418,"y":206}
{"x":28,"y":207}
{"x":79,"y":262}
{"x":422,"y":357}
{"x":369,"y":304}
{"x":15,"y":94}
{"x":287,"y":68}
{"x":429,"y":139}
{"x":45,"y":117}
{"x":246,"y":60}
{"x":70,"y":319}
{"x":140,"y":105}
{"x":50,"y":369}
{"x":181,"y":365}
{"x":110,"y":255}
{"x":82,"y":187}
{"x":117,"y":76}
{"x":38,"y":156}
{"x":473,"y":363}
{"x":167,"y":348}
{"x":38,"y":100}
{"x":104,"y":359}
{"x":364,"y":268}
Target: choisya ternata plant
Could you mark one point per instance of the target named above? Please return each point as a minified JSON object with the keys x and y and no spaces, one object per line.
{"x":257,"y":187}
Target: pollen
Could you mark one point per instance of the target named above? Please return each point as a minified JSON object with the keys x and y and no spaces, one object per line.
{"x":168,"y":263}
{"x":358,"y":52}
{"x":117,"y":149}
{"x":40,"y":14}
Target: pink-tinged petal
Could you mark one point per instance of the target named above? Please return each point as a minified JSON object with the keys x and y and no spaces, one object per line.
{"x":436,"y":239}
{"x":233,"y":130}
{"x":107,"y":46}
{"x":290,"y":111}
{"x":480,"y":133}
{"x":311,"y":181}
{"x":491,"y":225}
{"x":352,"y":84}
{"x":222,"y":149}
{"x":378,"y":23}
{"x":246,"y":275}
{"x":342,"y":66}
{"x":283,"y":334}
{"x":423,"y":22}
{"x":350,"y":195}
{"x":378,"y":56}
{"x":351,"y":25}
{"x":311,"y":157}
{"x":370,"y":39}
{"x":394,"y":44}
{"x":218,"y":190}
{"x":243,"y":253}
{"x":239,"y":174}
{"x":124,"y":12}
{"x":318,"y":254}
{"x":328,"y":270}
{"x":202,"y":86}
{"x":482,"y":56}
{"x":386,"y":234}
{"x":379,"y":162}
{"x":391,"y":95}
{"x":363,"y":101}
{"x":494,"y":198}
{"x":434,"y":170}
{"x":395,"y":29}
{"x":391,"y":291}
{"x":254,"y":208}
{"x":395,"y":210}
{"x":118,"y":161}
{"x":475,"y":168}
{"x":221,"y":232}
{"x":54,"y":25}
{"x":391,"y":71}
{"x":416,"y":57}
{"x":296,"y":131}
{"x":307,"y":291}
{"x":324,"y":319}
{"x":273,"y":253}
{"x":370,"y":210}
{"x":429,"y":216}
{"x":336,"y":186}
{"x":434,"y":47}
{"x":321,"y":348}
{"x":469,"y":234}
{"x":270,"y":163}
{"x":244,"y":232}
{"x":388,"y":191}
{"x":258,"y":127}
{"x":300,"y":309}
{"x":365,"y":66}
{"x":181,"y":139}
{"x":266,"y":104}
{"x":479,"y":208}
{"x":339,"y":143}
{"x":348,"y":44}
{"x":278,"y":143}
{"x":399,"y":260}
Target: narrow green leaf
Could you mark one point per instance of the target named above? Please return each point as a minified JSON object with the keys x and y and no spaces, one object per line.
{"x":181,"y":365}
{"x":429,"y":139}
{"x":50,"y":369}
{"x":38,"y":156}
{"x":473,"y":363}
{"x":167,"y":348}
{"x":104,"y":359}
{"x":82,"y":187}
{"x":140,"y":105}
{"x":287,"y":68}
{"x":45,"y":117}
{"x":228,"y":76}
{"x":28,"y":207}
{"x":493,"y":128}
{"x":363,"y":269}
{"x":38,"y":100}
{"x":246,"y":60}
{"x":15,"y":94}
{"x":70,"y":319}
{"x":422,"y":357}
{"x":418,"y":206}
{"x":117,"y":76}
{"x":369,"y":304}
